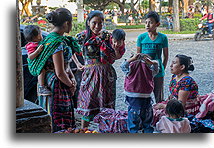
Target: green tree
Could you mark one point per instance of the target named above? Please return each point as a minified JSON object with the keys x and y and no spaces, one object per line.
{"x":97,"y":4}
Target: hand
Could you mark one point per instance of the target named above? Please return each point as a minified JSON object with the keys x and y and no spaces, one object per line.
{"x":74,"y":84}
{"x":149,"y":61}
{"x":160,"y":106}
{"x":117,"y":44}
{"x":40,"y":48}
{"x":135,"y":57}
{"x":80,"y":66}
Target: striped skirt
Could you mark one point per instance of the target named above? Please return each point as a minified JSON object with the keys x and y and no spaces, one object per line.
{"x":61,"y":104}
{"x":97,"y":89}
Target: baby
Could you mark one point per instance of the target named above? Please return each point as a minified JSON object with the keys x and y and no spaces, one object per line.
{"x":33,"y":35}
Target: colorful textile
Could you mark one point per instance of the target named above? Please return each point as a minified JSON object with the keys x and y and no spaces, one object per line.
{"x":31,"y":47}
{"x":187,"y":83}
{"x":50,"y":43}
{"x":153,"y":48}
{"x":169,"y":125}
{"x":61,"y":106}
{"x":207,"y":104}
{"x":98,"y":47}
{"x":97,"y":89}
{"x":158,"y":112}
{"x":98,"y":85}
{"x":61,"y":103}
{"x":111,"y":121}
{"x":205,"y":125}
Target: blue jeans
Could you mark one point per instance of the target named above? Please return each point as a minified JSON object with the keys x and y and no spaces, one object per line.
{"x":210,"y":27}
{"x":140,"y":114}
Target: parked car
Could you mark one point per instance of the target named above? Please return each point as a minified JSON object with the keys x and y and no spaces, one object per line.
{"x":30,"y":82}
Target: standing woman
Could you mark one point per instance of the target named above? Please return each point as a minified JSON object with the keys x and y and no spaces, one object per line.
{"x":55,"y":58}
{"x":98,"y":85}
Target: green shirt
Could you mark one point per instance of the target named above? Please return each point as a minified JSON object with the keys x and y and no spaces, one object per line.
{"x":153,"y":48}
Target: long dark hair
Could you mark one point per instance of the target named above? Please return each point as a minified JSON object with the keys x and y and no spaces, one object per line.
{"x":95,"y":13}
{"x":186,"y":61}
{"x":59,"y":17}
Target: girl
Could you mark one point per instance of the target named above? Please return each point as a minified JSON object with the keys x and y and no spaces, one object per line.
{"x":54,"y":58}
{"x":98,"y":85}
{"x":174,"y":123}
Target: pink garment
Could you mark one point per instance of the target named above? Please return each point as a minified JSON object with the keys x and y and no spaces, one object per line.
{"x":31,"y":47}
{"x":167,"y":126}
{"x":207,"y":104}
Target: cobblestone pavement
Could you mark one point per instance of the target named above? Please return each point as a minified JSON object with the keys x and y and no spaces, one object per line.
{"x":201,"y":53}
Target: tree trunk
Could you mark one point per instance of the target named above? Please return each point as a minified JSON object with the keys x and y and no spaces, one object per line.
{"x":185,"y":7}
{"x":19,"y":72}
{"x":80,"y":11}
{"x":190,"y":2}
{"x":152,"y":5}
{"x":170,"y":6}
{"x":176,"y":21}
{"x":25,"y":5}
{"x":121,"y":5}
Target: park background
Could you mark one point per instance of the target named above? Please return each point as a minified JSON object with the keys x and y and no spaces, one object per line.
{"x":9,"y":139}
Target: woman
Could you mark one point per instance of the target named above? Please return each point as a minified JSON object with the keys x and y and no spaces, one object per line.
{"x":98,"y":85}
{"x":55,"y":59}
{"x":182,"y":87}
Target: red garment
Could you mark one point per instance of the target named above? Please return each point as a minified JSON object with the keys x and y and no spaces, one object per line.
{"x":31,"y":47}
{"x":209,"y":17}
{"x":140,"y":80}
{"x":41,"y":22}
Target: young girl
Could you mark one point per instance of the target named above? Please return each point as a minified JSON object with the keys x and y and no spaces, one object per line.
{"x":139,"y":84}
{"x":98,"y":85}
{"x":175,"y":121}
{"x":154,"y":43}
{"x":33,"y":35}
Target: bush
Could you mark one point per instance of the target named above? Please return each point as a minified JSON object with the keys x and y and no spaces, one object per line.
{"x":77,"y":28}
{"x":197,"y":15}
{"x":189,"y":24}
{"x":131,"y":27}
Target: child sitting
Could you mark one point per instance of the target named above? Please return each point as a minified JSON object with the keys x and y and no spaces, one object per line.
{"x":33,"y":35}
{"x":175,"y":122}
{"x":139,"y":84}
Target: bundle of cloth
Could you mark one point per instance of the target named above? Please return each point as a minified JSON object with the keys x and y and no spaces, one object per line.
{"x":207,"y":104}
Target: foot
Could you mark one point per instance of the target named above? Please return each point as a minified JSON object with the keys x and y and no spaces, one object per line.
{"x":44,"y":90}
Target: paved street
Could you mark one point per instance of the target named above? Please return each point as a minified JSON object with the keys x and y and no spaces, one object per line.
{"x":201,"y":52}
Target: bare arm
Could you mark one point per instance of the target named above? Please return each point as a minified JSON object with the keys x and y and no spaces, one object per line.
{"x":183,"y":96}
{"x":165,"y":58}
{"x":58,"y":61}
{"x":36,"y":52}
{"x":138,"y":49}
{"x":76,"y":61}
